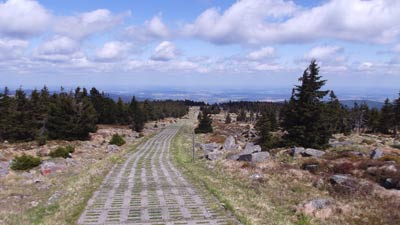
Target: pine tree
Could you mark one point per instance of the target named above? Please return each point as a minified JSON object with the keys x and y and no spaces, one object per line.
{"x":241,"y":116}
{"x":373,"y":118}
{"x":386,"y":120}
{"x":264,"y":129}
{"x":136,"y":115}
{"x":228,"y":119}
{"x":396,"y":115}
{"x":148,"y":111}
{"x":304,"y":116}
{"x":205,"y":124}
{"x":334,"y":109}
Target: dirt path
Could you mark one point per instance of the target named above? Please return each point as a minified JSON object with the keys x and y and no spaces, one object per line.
{"x":148,"y":189}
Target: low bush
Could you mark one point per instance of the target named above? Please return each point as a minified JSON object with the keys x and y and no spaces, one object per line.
{"x":367,"y":141}
{"x":343,"y":168}
{"x":117,"y":140}
{"x":394,"y":158}
{"x":41,"y":140}
{"x":62,"y":152}
{"x":25,"y":162}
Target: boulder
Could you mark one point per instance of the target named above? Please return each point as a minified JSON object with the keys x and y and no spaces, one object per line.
{"x":390,"y":183}
{"x":320,"y":207}
{"x":340,"y":179}
{"x":340,"y":143}
{"x":255,"y":157}
{"x":260,"y":156}
{"x":376,"y":154}
{"x":210,"y":147}
{"x":213,"y":156}
{"x":311,"y":167}
{"x":47,"y":168}
{"x":251,"y":148}
{"x":112,"y":148}
{"x":230,"y":143}
{"x":312,"y":152}
{"x":296,"y":151}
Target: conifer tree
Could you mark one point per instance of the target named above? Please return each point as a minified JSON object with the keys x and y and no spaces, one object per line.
{"x":264,"y":129}
{"x":228,"y":119}
{"x":386,"y":120}
{"x":205,"y":124}
{"x":136,"y":115}
{"x":241,"y":116}
{"x":304,"y":117}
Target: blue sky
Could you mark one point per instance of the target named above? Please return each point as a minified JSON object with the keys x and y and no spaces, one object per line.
{"x":246,"y":44}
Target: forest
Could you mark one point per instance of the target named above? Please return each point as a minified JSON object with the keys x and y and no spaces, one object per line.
{"x":72,"y":115}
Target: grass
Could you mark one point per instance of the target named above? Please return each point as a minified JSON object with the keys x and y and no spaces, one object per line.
{"x":75,"y":191}
{"x":268,"y":201}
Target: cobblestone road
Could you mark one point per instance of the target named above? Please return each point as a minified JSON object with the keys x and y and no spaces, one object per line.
{"x":148,"y":189}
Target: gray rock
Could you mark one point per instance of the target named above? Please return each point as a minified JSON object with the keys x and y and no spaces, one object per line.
{"x":296,"y":151}
{"x":320,"y":203}
{"x":112,"y":148}
{"x":210,"y":147}
{"x":251,"y":148}
{"x":213,"y":156}
{"x":260,"y":156}
{"x":390,"y":183}
{"x":47,"y":168}
{"x":341,"y":143}
{"x":54,"y":198}
{"x":233,"y":157}
{"x":313,"y":152}
{"x":245,"y":157}
{"x":4,"y":168}
{"x":230,"y":143}
{"x":340,"y":179}
{"x":256,"y":176}
{"x":376,"y":154}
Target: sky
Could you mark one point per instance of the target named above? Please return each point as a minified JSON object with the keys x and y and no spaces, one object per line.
{"x":216,"y":44}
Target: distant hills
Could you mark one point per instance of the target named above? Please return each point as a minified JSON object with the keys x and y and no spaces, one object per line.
{"x":370,"y":104}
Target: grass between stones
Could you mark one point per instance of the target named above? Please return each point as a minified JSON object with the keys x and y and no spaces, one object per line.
{"x":74,"y":191}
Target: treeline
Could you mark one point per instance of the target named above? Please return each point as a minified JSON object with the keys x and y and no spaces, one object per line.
{"x":73,"y":115}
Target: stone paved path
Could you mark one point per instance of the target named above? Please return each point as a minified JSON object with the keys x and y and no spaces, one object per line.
{"x":148,"y":189}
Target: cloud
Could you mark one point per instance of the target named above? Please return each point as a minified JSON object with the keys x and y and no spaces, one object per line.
{"x":23,"y":18}
{"x":86,"y":24}
{"x":12,"y":49}
{"x":153,"y":29}
{"x":58,"y":45}
{"x":326,"y":52}
{"x":112,"y":51}
{"x":165,"y":51}
{"x":277,"y":21}
{"x":263,"y":53}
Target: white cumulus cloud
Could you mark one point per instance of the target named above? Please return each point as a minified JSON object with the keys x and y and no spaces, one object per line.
{"x":323,"y":52}
{"x":12,"y":49}
{"x":113,"y":50}
{"x":23,"y":18}
{"x":165,"y":51}
{"x":263,"y":53}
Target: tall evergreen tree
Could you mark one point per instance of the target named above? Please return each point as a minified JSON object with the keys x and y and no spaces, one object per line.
{"x":136,"y":115}
{"x":228,"y":119}
{"x":264,"y":129}
{"x":241,"y":116}
{"x":304,"y":117}
{"x":386,"y":120}
{"x":205,"y":124}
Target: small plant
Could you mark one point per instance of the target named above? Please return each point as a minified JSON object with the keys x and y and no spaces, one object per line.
{"x":117,"y":140}
{"x":25,"y":162}
{"x":62,"y":152}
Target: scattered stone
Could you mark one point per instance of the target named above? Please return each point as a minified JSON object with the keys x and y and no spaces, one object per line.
{"x":340,"y":179}
{"x":256,"y":176}
{"x":54,"y":197}
{"x":230,"y":143}
{"x":34,"y":203}
{"x":210,"y":147}
{"x":321,"y":208}
{"x":214,"y":156}
{"x":112,"y":148}
{"x":376,"y":154}
{"x":312,"y":152}
{"x":47,"y":168}
{"x":43,"y":152}
{"x":312,"y":168}
{"x":341,"y":144}
{"x":390,"y":183}
{"x":4,"y":168}
{"x":245,"y":157}
{"x":71,"y":162}
{"x":251,"y":148}
{"x":296,"y":151}
{"x":260,"y":157}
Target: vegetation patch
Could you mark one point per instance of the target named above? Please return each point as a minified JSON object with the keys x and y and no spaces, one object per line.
{"x":62,"y":152}
{"x":117,"y":140}
{"x":25,"y":162}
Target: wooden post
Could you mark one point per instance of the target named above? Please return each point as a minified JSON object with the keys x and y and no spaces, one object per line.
{"x":193,"y":149}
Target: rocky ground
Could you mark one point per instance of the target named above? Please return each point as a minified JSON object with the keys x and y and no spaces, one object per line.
{"x":355,"y":181}
{"x":22,"y":191}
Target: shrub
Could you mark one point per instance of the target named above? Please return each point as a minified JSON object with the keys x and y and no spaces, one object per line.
{"x":117,"y":140}
{"x":368,"y":142}
{"x":63,"y":152}
{"x":343,"y":168}
{"x":394,"y":158}
{"x":25,"y":162}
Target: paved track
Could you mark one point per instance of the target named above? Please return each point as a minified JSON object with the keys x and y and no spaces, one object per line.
{"x":148,"y":189}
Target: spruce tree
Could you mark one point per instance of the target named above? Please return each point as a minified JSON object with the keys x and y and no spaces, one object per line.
{"x":386,"y":120}
{"x":304,"y":117}
{"x":136,"y":115}
{"x":264,"y":129}
{"x":205,"y":124}
{"x":241,"y":116}
{"x":228,"y":119}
